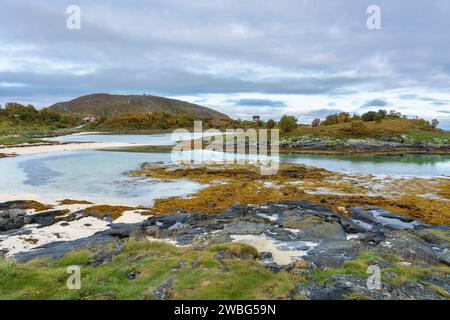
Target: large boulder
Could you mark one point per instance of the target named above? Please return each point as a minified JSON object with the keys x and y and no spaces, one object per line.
{"x":315,"y":228}
{"x":408,"y":246}
{"x":334,"y":253}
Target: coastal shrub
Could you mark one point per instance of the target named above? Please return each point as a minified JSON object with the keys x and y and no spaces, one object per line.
{"x":358,"y":128}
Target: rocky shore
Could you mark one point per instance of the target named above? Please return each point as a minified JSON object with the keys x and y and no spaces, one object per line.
{"x":325,"y":255}
{"x":311,"y":144}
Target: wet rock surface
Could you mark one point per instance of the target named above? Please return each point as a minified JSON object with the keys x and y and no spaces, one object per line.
{"x":336,"y":238}
{"x":12,"y":219}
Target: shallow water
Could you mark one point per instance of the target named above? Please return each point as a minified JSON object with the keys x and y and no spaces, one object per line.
{"x":98,"y":176}
{"x":95,"y":176}
{"x":407,"y":165}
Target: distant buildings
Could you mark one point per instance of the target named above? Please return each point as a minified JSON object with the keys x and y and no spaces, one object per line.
{"x":256,"y":118}
{"x":89,"y":119}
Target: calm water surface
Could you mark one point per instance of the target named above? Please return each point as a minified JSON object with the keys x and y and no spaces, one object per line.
{"x":98,"y":176}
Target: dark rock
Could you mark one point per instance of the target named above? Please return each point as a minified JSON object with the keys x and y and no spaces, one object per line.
{"x":409,"y":247}
{"x":339,"y":287}
{"x":445,"y":256}
{"x":105,"y":296}
{"x":105,"y":256}
{"x":314,"y":228}
{"x":350,"y":226}
{"x":380,"y":217}
{"x":417,"y":291}
{"x":224,"y":254}
{"x":131,"y":275}
{"x":15,"y":213}
{"x":264,"y":255}
{"x":334,"y":253}
{"x":274,"y":267}
{"x":440,"y":281}
{"x":163,"y":291}
{"x":196,"y":263}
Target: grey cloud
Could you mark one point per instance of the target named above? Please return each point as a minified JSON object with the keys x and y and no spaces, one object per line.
{"x":259,"y":102}
{"x":190,"y":47}
{"x":375,"y":103}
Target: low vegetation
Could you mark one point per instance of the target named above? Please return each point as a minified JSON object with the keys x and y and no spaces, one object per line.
{"x":142,"y":267}
{"x":21,"y":124}
{"x":195,"y":275}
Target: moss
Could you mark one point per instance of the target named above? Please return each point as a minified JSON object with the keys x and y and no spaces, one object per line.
{"x":101,"y":211}
{"x":70,"y":201}
{"x":37,"y":206}
{"x":231,"y":184}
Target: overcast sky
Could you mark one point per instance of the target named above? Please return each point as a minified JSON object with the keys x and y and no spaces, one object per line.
{"x":243,"y":57}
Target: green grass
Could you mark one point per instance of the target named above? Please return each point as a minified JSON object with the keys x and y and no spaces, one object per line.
{"x":154,"y":262}
{"x":356,"y":267}
{"x":12,"y":140}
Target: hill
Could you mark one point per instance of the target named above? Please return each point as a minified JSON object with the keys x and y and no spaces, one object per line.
{"x":105,"y":105}
{"x":416,"y":129}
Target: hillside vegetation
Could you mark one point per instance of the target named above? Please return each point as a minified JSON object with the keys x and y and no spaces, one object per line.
{"x":104,"y":105}
{"x":417,"y":128}
{"x":130,"y":122}
{"x":22,"y":124}
{"x":375,"y":125}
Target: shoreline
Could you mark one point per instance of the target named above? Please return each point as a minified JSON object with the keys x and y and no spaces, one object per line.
{"x":75,"y":146}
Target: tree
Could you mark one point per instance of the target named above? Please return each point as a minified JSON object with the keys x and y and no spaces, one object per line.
{"x":315,"y":122}
{"x":378,"y":118}
{"x":369,"y":116}
{"x":270,"y":124}
{"x":287,"y":123}
{"x":343,"y":117}
{"x":434,"y":123}
{"x":337,"y":118}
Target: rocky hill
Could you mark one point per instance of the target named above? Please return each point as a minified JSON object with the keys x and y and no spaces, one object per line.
{"x":102,"y":104}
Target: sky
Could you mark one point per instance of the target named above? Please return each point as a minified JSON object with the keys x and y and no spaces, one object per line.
{"x":243,"y":58}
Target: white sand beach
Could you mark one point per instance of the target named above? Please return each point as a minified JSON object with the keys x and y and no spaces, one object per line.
{"x":64,"y":147}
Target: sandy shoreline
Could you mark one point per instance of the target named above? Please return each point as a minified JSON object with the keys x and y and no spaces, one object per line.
{"x":65,"y":147}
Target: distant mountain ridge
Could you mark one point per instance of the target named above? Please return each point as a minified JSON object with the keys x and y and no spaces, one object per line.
{"x":102,"y":104}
